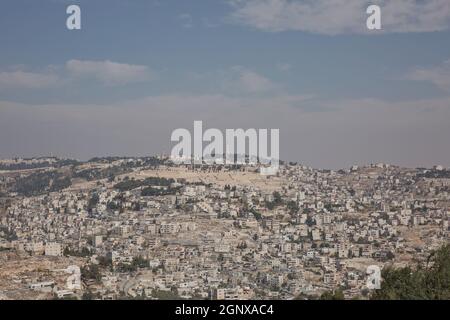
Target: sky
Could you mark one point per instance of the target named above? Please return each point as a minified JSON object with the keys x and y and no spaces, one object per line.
{"x":137,"y":70}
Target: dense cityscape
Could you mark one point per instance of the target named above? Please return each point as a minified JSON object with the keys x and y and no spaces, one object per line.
{"x":146,"y":228}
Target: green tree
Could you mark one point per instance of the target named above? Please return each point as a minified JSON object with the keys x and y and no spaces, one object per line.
{"x":429,"y":282}
{"x":91,"y":272}
{"x":333,"y":295}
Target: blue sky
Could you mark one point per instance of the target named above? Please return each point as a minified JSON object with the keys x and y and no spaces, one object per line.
{"x":307,"y":67}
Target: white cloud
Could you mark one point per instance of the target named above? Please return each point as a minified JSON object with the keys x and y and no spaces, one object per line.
{"x":334,"y":17}
{"x":439,"y":76}
{"x":108,"y":72}
{"x":254,"y":82}
{"x":250,"y":81}
{"x":27,"y":80}
{"x":186,"y":20}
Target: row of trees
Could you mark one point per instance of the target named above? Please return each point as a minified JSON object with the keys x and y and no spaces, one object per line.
{"x":130,"y":184}
{"x":41,"y":182}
